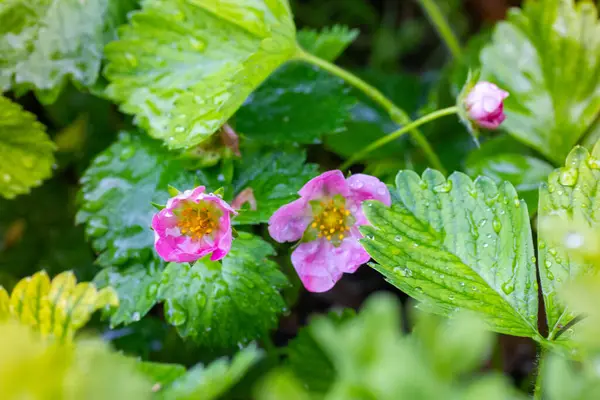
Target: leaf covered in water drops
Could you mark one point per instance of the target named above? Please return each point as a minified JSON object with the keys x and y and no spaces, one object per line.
{"x":183,"y":68}
{"x":27,"y":152}
{"x":458,"y":244}
{"x":223,"y":304}
{"x":567,"y":211}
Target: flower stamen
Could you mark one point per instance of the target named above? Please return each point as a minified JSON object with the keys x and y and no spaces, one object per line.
{"x":197,"y":221}
{"x":332,"y":220}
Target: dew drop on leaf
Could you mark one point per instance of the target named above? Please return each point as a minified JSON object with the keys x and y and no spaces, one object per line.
{"x":152,"y":290}
{"x":508,"y":287}
{"x":568,"y":177}
{"x":127,"y":153}
{"x":497,"y":225}
{"x":550,"y":275}
{"x":443,"y":188}
{"x":398,"y":238}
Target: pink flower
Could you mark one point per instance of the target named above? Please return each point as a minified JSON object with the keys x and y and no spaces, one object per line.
{"x":326,"y":218}
{"x":485,"y":105}
{"x":192,"y":225}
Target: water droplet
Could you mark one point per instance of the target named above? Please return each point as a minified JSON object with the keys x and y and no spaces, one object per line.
{"x":97,"y":227}
{"x":419,"y":289}
{"x":551,"y":188}
{"x":482,"y":223}
{"x":508,"y":287}
{"x":179,"y":129}
{"x":533,"y":260}
{"x":552,"y":251}
{"x":152,"y":290}
{"x":127,"y":153}
{"x":398,"y":238}
{"x":357,"y":184}
{"x":443,"y":187}
{"x":135,"y":316}
{"x":381,"y":191}
{"x":593,"y":163}
{"x":548,"y":264}
{"x":568,"y":177}
{"x":550,"y":275}
{"x":175,"y":313}
{"x":415,"y":245}
{"x":451,"y":297}
{"x":200,"y":299}
{"x":423,"y":185}
{"x":197,"y":44}
{"x":542,"y":244}
{"x":497,"y":225}
{"x":485,"y":245}
{"x":6,"y":178}
{"x":131,"y":59}
{"x":517,"y":203}
{"x":442,"y":276}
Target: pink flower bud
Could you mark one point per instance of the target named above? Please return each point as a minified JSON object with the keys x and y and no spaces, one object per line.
{"x":192,"y":225}
{"x":326,"y":217}
{"x":485,"y":105}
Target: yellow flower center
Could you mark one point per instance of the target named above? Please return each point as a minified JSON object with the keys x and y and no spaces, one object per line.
{"x":331,"y":222}
{"x":197,"y":220}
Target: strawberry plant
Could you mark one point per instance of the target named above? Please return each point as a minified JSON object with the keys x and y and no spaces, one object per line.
{"x":273,"y":199}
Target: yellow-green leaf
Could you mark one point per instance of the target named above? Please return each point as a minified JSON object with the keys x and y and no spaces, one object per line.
{"x":55,"y":308}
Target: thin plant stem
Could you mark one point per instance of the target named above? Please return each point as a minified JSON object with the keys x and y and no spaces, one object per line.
{"x":442,"y":27}
{"x":396,"y":114}
{"x":537,"y":390}
{"x":396,"y":134}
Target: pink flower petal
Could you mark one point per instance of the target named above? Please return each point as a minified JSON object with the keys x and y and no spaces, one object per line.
{"x":289,"y":222}
{"x":329,"y":183}
{"x":320,"y":265}
{"x":173,"y":246}
{"x":362,"y":188}
{"x":485,"y":105}
{"x":223,"y":239}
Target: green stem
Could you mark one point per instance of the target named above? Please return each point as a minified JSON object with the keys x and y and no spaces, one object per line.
{"x":394,"y":135}
{"x":537,"y":390}
{"x":442,"y":27}
{"x":396,"y":114}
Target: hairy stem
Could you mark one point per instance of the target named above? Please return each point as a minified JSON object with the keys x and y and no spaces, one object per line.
{"x":537,"y":390}
{"x":396,"y":114}
{"x":396,"y":134}
{"x":442,"y":27}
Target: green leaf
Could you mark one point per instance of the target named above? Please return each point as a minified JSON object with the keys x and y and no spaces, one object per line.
{"x":553,"y":99}
{"x":137,"y":288}
{"x":274,"y":177}
{"x":117,"y":195}
{"x":329,"y":43}
{"x":42,"y":43}
{"x":298,"y":103}
{"x":25,"y":149}
{"x":213,"y":381}
{"x":160,"y":374}
{"x":366,"y":350}
{"x":221,"y":304}
{"x":85,"y":369}
{"x":564,"y":380}
{"x":458,"y":244}
{"x":504,"y":159}
{"x":307,"y":360}
{"x":569,"y":197}
{"x":184,"y":67}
